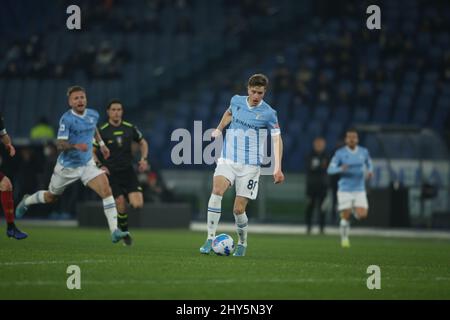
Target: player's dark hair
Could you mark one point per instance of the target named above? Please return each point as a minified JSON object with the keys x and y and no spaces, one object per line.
{"x":350,"y":130}
{"x":111,"y":102}
{"x":258,"y":80}
{"x":73,"y":89}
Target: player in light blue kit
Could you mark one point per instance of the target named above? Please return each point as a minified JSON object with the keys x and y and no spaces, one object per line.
{"x":251,"y":118}
{"x":77,"y":128}
{"x":353,"y":163}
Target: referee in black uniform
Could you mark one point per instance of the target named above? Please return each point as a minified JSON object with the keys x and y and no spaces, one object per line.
{"x":119,"y":136}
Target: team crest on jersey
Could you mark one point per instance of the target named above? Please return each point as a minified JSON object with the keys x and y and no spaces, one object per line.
{"x":258,"y":116}
{"x":119,"y":140}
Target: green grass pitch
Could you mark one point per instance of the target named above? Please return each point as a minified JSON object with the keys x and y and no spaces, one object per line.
{"x":166,"y":264}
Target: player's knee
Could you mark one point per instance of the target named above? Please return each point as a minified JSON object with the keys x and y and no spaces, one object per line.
{"x":50,"y":197}
{"x":137,"y":204}
{"x":238,"y":209}
{"x":218,"y":191}
{"x":5,"y":184}
{"x":362,"y":214}
{"x":345,"y":214}
{"x":105,"y":191}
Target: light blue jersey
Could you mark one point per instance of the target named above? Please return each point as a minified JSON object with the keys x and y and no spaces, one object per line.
{"x":352,"y":179}
{"x":247,"y":135}
{"x":77,"y":129}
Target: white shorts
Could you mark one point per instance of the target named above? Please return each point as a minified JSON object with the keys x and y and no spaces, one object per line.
{"x":246,"y":177}
{"x":349,"y":200}
{"x":62,"y":177}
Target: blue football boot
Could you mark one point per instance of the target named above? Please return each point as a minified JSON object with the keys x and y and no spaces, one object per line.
{"x":21,"y":207}
{"x":14,"y":232}
{"x":118,"y":235}
{"x":240,"y":251}
{"x":207,"y":246}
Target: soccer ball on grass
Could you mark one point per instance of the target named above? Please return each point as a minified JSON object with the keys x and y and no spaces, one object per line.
{"x":223,"y":245}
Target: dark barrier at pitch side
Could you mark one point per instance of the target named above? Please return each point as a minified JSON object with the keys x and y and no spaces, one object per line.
{"x":152,"y":215}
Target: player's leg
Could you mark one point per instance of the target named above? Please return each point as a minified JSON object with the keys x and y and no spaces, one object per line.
{"x":122,"y":217}
{"x":220,"y":186}
{"x":127,"y":184}
{"x":97,"y":180}
{"x":309,"y":212}
{"x":136,"y":199}
{"x":321,"y":199}
{"x":344,"y":227}
{"x":361,"y":213}
{"x":247,"y":185}
{"x":241,"y":219}
{"x":7,"y":200}
{"x":345,"y":204}
{"x":361,"y":205}
{"x":61,"y":178}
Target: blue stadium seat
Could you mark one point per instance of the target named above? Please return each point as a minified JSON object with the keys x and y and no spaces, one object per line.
{"x":360,"y":115}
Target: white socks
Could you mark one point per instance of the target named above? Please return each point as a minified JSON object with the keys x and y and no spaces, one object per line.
{"x":214,"y":211}
{"x":109,"y":206}
{"x":35,"y":198}
{"x":242,"y":227}
{"x":344,"y":228}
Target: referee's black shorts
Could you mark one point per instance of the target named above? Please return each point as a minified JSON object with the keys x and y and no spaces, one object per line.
{"x":124,"y":182}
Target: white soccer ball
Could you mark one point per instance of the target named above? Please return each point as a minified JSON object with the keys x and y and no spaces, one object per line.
{"x":223,"y":245}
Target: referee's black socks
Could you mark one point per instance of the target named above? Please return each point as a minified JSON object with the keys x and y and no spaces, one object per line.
{"x":122,"y":221}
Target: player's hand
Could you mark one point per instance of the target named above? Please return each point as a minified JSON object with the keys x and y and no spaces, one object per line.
{"x":344,"y":167}
{"x":105,"y":152}
{"x":104,"y":168}
{"x":81,"y":146}
{"x":216,"y":133}
{"x":11,"y":150}
{"x":278,"y":177}
{"x":143,"y":165}
{"x":369,"y":175}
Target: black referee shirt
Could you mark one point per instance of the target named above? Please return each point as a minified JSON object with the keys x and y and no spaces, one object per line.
{"x":118,"y":140}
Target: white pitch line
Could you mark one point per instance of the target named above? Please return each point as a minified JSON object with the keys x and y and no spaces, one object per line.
{"x":208,"y":281}
{"x":44,"y":262}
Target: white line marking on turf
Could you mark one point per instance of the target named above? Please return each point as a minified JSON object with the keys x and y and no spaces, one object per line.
{"x":18,"y":263}
{"x":196,"y":281}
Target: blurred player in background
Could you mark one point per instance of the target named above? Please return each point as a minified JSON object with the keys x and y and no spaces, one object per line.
{"x":77,"y":129}
{"x":6,"y":189}
{"x":240,"y":162}
{"x":316,"y":182}
{"x":354,"y":165}
{"x":119,"y":136}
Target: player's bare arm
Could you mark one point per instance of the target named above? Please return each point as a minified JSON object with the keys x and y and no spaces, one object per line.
{"x":225,"y":121}
{"x":6,"y":140}
{"x":98,"y":162}
{"x":278,"y":175}
{"x":143,"y":162}
{"x":103,"y":148}
{"x":64,"y":145}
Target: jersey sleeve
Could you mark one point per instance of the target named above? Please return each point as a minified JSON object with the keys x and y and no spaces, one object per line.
{"x":232,"y":104}
{"x":272,"y":124}
{"x":335,"y":164}
{"x":137,"y":134}
{"x":64,"y":127}
{"x":94,"y":142}
{"x":2,"y":126}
